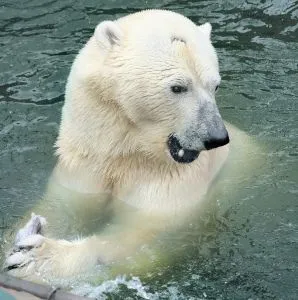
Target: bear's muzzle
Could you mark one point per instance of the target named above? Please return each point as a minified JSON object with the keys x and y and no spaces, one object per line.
{"x":180,"y":154}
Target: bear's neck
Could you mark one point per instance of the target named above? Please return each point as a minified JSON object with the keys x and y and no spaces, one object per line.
{"x":102,"y":175}
{"x":88,"y":148}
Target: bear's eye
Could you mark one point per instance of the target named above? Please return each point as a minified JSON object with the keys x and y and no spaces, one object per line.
{"x":216,"y":88}
{"x":178,"y":89}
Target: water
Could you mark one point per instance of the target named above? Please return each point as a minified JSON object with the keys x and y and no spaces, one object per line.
{"x":252,"y":253}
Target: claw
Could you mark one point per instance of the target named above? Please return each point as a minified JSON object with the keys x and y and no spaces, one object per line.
{"x":31,"y":241}
{"x":27,"y":238}
{"x":16,"y":260}
{"x":33,"y":227}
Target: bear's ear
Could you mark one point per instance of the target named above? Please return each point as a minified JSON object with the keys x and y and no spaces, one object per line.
{"x":206,"y":29}
{"x":107,"y":34}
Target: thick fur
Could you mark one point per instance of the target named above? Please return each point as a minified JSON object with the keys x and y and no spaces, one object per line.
{"x":118,"y":114}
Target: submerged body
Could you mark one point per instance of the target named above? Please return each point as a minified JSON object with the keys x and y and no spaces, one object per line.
{"x":141,"y":142}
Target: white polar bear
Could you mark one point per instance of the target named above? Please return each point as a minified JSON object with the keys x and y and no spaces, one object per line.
{"x":139,"y":124}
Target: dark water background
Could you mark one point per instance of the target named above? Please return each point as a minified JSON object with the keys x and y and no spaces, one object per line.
{"x":255,"y":254}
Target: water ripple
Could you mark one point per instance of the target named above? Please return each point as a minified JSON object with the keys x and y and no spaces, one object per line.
{"x":255,"y":254}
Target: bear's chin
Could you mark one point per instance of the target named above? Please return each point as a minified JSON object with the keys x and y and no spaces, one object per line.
{"x":180,"y":154}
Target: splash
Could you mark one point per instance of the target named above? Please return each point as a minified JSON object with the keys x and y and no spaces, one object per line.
{"x":113,"y":286}
{"x":134,"y":287}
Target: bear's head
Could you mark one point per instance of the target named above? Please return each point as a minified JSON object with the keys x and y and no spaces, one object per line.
{"x":144,"y":84}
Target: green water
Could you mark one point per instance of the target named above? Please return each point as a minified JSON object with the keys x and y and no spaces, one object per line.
{"x":254,"y":253}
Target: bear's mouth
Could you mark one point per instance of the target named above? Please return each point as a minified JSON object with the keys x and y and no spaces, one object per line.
{"x":180,"y":154}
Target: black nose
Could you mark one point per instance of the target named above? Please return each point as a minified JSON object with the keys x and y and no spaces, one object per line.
{"x":217,"y":139}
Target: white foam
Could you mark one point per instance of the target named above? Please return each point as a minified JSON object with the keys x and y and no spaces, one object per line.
{"x":103,"y":290}
{"x":112,"y":286}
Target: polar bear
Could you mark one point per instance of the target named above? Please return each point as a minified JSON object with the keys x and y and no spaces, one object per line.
{"x":140,"y":129}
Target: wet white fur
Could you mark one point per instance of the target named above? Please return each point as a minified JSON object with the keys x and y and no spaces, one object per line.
{"x":32,"y":227}
{"x":117,"y":116}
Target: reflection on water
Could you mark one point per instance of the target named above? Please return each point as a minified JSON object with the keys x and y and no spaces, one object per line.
{"x":253,"y":251}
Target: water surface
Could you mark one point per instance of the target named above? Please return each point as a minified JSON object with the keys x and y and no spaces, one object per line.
{"x":253,"y":253}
